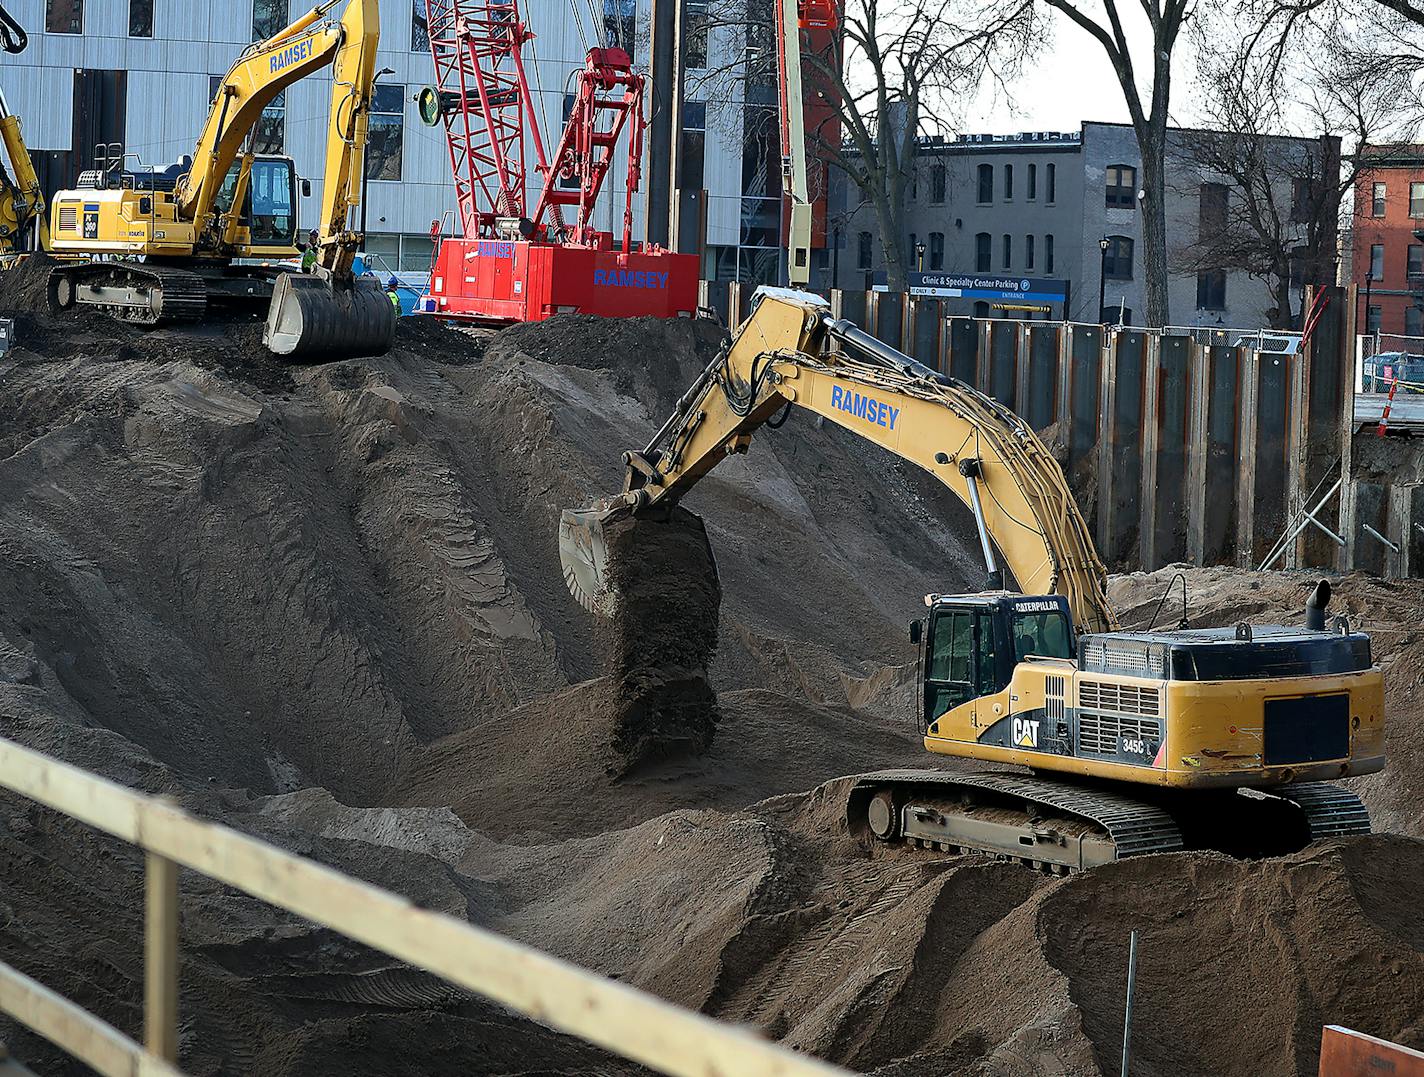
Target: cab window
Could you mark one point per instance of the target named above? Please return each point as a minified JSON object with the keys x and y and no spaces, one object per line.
{"x":1043,"y":634}
{"x":953,"y":645}
{"x":270,"y":204}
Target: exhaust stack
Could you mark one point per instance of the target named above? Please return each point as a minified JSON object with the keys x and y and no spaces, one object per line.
{"x":1315,"y":606}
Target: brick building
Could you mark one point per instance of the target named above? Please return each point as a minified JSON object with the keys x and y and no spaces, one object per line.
{"x":1387,"y":260}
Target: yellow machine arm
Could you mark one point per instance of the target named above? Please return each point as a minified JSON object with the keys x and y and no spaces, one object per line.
{"x":255,"y":80}
{"x":983,"y":452}
{"x":21,"y":200}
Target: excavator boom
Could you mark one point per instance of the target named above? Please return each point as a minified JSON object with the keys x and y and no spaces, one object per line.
{"x":983,"y":452}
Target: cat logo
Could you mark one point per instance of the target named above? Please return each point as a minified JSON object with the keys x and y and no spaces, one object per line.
{"x":1025,"y":733}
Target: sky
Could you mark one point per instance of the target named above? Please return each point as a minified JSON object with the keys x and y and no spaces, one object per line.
{"x":1072,"y":81}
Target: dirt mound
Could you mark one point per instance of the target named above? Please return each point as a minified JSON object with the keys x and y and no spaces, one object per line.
{"x":661,"y":636}
{"x":324,"y":603}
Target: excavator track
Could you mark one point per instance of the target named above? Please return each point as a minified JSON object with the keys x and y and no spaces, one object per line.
{"x":1330,"y":811}
{"x":1051,"y":825}
{"x":138,"y":292}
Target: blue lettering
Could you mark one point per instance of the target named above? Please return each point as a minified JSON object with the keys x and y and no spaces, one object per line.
{"x":835,"y":396}
{"x":598,"y":276}
{"x":859,"y":408}
{"x":894,"y":414}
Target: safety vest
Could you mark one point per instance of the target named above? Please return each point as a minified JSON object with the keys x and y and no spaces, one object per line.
{"x":395,"y":300}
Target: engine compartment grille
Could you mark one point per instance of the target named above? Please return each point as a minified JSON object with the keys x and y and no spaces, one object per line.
{"x":1099,"y":734}
{"x":1121,"y":698}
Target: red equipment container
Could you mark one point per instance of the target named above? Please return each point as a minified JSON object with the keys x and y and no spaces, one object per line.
{"x":513,"y":265}
{"x":499,"y":281}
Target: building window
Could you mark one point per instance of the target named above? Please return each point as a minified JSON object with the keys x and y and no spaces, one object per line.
{"x":268,"y":16}
{"x":1008,"y":251}
{"x":986,"y":184}
{"x":1377,"y":262}
{"x":1048,"y":244}
{"x":64,"y":16}
{"x":1122,"y":186}
{"x":1032,"y":191}
{"x":1051,"y":194}
{"x":140,"y":18}
{"x":1028,"y":251}
{"x":386,"y":131}
{"x":1302,"y":199}
{"x":618,"y":23}
{"x":1377,"y":200}
{"x":1413,"y":321}
{"x":1372,"y":320}
{"x":698,"y":22}
{"x":1117,"y":258}
{"x":270,"y":134}
{"x":1414,"y":266}
{"x":1416,"y":199}
{"x":981,"y":253}
{"x":862,"y":250}
{"x":939,"y":184}
{"x":1211,"y":289}
{"x":936,"y":250}
{"x":692,"y":160}
{"x":1211,"y":210}
{"x":419,"y":28}
{"x":1008,"y":183}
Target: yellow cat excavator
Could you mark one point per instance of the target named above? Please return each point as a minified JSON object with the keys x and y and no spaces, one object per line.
{"x":1137,"y":742}
{"x":159,"y":244}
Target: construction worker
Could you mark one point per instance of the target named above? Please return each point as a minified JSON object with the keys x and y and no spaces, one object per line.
{"x":309,"y":255}
{"x":393,"y":291}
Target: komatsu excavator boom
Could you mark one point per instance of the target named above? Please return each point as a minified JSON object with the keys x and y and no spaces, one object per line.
{"x":1139,"y":741}
{"x":199,"y":225}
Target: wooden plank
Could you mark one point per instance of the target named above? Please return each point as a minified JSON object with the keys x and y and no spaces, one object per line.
{"x":611,"y":1015}
{"x":1346,"y":1053}
{"x":75,"y":1030}
{"x":160,"y":965}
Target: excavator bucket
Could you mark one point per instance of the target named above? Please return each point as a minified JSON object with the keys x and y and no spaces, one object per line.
{"x":311,"y":318}
{"x":583,"y":552}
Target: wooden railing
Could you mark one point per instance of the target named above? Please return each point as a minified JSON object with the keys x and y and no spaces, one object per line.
{"x":614,"y":1016}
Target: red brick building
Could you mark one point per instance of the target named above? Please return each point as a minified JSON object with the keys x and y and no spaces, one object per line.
{"x":1388,"y":258}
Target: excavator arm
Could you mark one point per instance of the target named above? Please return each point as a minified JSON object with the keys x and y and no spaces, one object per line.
{"x":254,"y":81}
{"x":783,"y":356}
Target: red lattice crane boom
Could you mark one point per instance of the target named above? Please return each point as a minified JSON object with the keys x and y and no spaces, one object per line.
{"x":511,"y":263}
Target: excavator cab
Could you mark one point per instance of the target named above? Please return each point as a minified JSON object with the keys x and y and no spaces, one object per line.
{"x":268,"y":221}
{"x":971,"y":644}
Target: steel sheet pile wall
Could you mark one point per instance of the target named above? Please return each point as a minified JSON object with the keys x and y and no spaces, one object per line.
{"x":1177,"y":449}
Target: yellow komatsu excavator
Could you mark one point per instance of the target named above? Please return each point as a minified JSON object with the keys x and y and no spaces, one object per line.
{"x":1137,"y":742}
{"x":22,"y":206}
{"x":158,"y":245}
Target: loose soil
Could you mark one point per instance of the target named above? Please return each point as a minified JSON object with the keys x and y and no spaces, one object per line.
{"x":323,"y":604}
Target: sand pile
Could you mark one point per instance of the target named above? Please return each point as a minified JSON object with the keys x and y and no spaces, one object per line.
{"x":324,"y":604}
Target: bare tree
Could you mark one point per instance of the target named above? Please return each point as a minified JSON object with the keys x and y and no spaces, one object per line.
{"x":1149,"y":118}
{"x":896,"y":70}
{"x":902,"y":66}
{"x":1269,"y":167}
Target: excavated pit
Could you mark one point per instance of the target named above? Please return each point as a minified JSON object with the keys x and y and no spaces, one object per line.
{"x":324,"y":605}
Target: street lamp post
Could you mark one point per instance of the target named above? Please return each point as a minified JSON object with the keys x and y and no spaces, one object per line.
{"x":366,"y":157}
{"x":1102,"y":277}
{"x":920,"y":257}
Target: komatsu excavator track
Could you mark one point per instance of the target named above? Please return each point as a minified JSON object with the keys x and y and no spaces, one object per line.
{"x":137,"y":292}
